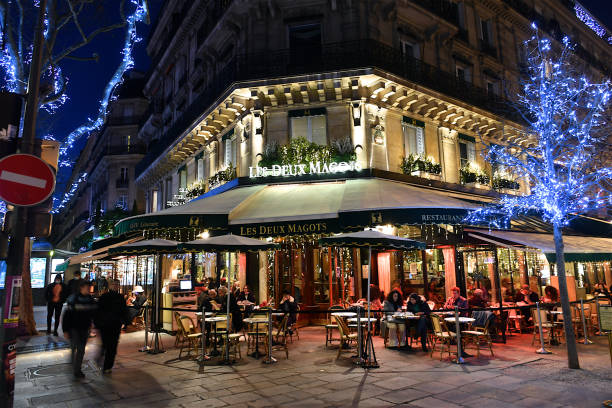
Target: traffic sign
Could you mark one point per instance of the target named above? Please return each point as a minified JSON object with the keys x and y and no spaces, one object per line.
{"x":25,"y":180}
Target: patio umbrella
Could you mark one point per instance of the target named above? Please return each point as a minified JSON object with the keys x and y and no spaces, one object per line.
{"x":227,"y":242}
{"x":369,"y":239}
{"x":150,"y":247}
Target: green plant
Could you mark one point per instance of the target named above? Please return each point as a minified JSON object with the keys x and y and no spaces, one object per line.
{"x":501,"y":182}
{"x":108,"y":220}
{"x":343,"y":150}
{"x":269,"y":154}
{"x":196,"y":189}
{"x":83,"y":241}
{"x":415,"y":162}
{"x":471,"y":173}
{"x":301,"y":151}
{"x":223,"y":176}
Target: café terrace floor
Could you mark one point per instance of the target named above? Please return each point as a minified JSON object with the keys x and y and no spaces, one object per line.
{"x":312,"y":377}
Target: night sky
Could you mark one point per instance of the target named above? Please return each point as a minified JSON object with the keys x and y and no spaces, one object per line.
{"x":87,"y":79}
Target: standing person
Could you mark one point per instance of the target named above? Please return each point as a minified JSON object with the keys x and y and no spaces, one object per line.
{"x":112,"y":312}
{"x":80,"y":309}
{"x":73,"y":284}
{"x":55,"y":295}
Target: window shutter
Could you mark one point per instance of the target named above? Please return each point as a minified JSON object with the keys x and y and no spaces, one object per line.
{"x":479,"y":26}
{"x":471,"y":151}
{"x":461,"y":14}
{"x":489,"y":32}
{"x":420,"y":141}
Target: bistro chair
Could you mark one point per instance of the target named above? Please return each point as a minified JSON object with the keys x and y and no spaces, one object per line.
{"x":547,"y":326}
{"x":189,"y":337}
{"x":346,"y":338}
{"x":331,"y":325}
{"x":441,"y":335}
{"x":279,"y":338}
{"x":514,"y":320}
{"x":234,"y":344}
{"x":479,"y":333}
{"x":139,"y":319}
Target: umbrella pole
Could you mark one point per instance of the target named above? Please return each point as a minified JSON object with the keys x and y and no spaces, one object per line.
{"x":370,"y":355}
{"x":156,"y":340}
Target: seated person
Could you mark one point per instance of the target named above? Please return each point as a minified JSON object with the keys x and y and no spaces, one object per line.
{"x":417,"y":307}
{"x":204,"y":301}
{"x":246,"y":295}
{"x":456,"y":300}
{"x":551,"y":295}
{"x":477,"y":300}
{"x":396,"y":328}
{"x":212,"y":298}
{"x":601,"y":291}
{"x":234,"y":309}
{"x":526,"y":295}
{"x":134,"y":303}
{"x":288,"y":305}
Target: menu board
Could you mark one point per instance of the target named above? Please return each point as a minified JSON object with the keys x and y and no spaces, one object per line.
{"x":605,"y":317}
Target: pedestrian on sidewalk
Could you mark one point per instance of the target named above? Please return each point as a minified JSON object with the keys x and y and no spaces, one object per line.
{"x":112,"y":313}
{"x":55,"y":295}
{"x":80,"y":309}
{"x":73,"y":284}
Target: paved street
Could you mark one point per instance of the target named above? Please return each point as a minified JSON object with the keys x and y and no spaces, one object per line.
{"x":311,"y":377}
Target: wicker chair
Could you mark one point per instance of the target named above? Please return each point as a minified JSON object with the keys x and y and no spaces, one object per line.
{"x":441,"y":335}
{"x":189,"y":337}
{"x":331,"y":325}
{"x":346,"y":338}
{"x":477,"y":334}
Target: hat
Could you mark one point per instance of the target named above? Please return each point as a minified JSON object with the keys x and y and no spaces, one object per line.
{"x":138,"y":289}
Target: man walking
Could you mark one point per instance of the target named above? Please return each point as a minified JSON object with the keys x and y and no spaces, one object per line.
{"x":55,"y":295}
{"x":73,"y":284}
{"x":80,"y":309}
{"x":112,"y":313}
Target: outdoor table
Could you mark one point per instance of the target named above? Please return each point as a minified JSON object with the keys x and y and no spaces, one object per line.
{"x":215,"y":320}
{"x":553,"y":338}
{"x":362,"y":319}
{"x":256,"y":322}
{"x":344,"y":314}
{"x":462,"y":320}
{"x":199,"y":314}
{"x":406,"y":316}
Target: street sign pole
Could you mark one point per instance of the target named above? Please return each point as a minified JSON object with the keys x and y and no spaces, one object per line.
{"x":20,"y":245}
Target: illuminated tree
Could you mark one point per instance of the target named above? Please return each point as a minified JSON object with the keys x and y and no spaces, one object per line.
{"x":566,"y":156}
{"x":69,"y":27}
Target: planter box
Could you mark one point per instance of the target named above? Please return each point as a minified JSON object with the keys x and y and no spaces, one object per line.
{"x":478,"y":185}
{"x":426,"y":175}
{"x":509,"y":191}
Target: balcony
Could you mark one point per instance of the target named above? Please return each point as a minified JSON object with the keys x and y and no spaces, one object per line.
{"x":442,"y":8}
{"x":487,"y":48}
{"x":330,"y":57}
{"x":122,"y":183}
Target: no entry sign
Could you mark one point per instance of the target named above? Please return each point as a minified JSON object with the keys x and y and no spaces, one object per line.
{"x":25,"y":180}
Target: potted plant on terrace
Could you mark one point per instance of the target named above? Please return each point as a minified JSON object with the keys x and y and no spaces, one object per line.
{"x":504,"y":183}
{"x":473,"y":176}
{"x":417,"y":165}
{"x":222,"y":177}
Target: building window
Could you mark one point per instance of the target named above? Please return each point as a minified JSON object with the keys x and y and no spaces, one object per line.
{"x":123,"y":174}
{"x":122,"y":202}
{"x":168,"y":191}
{"x":463,"y":72}
{"x":461,"y":15}
{"x":310,"y":124}
{"x":414,"y":140}
{"x":182,"y":179}
{"x":199,"y":169}
{"x":467,"y":152}
{"x":128,"y":110}
{"x":410,"y":49}
{"x":230,"y":151}
{"x":304,"y":43}
{"x":485,"y":31}
{"x":492,"y":87}
{"x":154,"y":199}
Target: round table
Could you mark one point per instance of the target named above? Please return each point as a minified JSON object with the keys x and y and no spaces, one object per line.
{"x":344,"y":314}
{"x":215,"y":320}
{"x":362,"y":319}
{"x":256,"y":322}
{"x":406,"y":316}
{"x":462,"y":319}
{"x":199,"y":314}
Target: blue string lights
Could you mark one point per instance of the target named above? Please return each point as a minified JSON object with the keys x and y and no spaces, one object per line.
{"x":562,"y":156}
{"x":584,"y":16}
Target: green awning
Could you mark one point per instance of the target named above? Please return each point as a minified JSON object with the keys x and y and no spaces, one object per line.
{"x":467,"y":138}
{"x":371,"y":238}
{"x":412,"y":121}
{"x":63,"y":266}
{"x":146,"y":247}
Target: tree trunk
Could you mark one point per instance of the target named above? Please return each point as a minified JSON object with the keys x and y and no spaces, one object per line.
{"x":26,"y":304}
{"x":572,"y":351}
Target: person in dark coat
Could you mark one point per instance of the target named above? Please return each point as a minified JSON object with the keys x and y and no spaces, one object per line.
{"x":73,"y":284}
{"x":80,"y":310}
{"x":289,"y":305}
{"x":112,"y":312}
{"x":55,"y":295}
{"x":457,"y":300}
{"x":417,"y":307}
{"x":247,"y":295}
{"x":234,"y":308}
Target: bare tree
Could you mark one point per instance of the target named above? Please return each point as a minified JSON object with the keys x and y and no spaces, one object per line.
{"x":70,"y":26}
{"x":565,"y":157}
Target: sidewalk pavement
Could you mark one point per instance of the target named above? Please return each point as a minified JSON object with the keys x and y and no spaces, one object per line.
{"x":312,"y":377}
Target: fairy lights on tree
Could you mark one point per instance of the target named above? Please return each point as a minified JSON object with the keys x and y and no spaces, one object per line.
{"x":566,"y":158}
{"x":68,"y":28}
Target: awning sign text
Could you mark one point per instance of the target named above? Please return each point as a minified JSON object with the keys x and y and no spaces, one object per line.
{"x":289,"y":170}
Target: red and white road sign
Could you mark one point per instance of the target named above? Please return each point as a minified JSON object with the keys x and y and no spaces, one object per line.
{"x":25,"y":180}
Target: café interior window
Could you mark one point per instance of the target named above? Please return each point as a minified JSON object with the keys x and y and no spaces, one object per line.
{"x":310,"y":124}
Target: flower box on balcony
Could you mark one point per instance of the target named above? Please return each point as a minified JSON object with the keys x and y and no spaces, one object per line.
{"x":478,"y":185}
{"x":426,"y":175}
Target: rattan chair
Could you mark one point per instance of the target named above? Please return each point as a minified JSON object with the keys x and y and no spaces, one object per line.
{"x":189,"y":337}
{"x":347,"y":339}
{"x":441,"y":335}
{"x":331,"y":325}
{"x":547,"y":325}
{"x":477,"y":334}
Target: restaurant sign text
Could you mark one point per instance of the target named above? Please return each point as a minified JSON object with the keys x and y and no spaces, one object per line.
{"x":288,"y":170}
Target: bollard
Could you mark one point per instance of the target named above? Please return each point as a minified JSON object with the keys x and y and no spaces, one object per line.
{"x":541,"y":350}
{"x":460,"y":359}
{"x":584,"y":327}
{"x":269,"y":359}
{"x":146,"y":347}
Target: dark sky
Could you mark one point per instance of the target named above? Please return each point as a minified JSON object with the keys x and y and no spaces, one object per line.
{"x":87,"y":79}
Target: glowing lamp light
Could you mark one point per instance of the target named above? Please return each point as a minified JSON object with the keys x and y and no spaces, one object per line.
{"x":204,"y":234}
